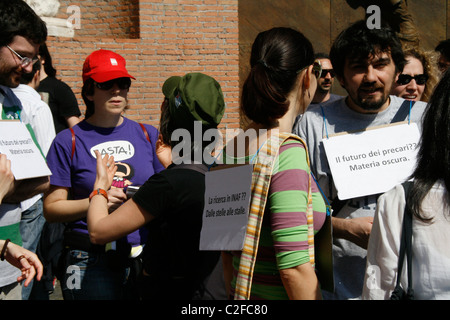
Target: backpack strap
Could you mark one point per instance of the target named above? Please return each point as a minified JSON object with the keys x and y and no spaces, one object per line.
{"x":145,"y":132}
{"x":73,"y":142}
{"x":261,"y":176}
{"x":404,"y":111}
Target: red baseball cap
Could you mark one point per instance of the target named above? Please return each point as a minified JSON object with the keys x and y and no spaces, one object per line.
{"x":104,"y":65}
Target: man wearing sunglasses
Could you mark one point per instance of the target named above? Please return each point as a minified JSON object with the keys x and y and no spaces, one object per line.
{"x":324,"y":84}
{"x":21,"y":33}
{"x":366,"y":62}
{"x":325,"y":81}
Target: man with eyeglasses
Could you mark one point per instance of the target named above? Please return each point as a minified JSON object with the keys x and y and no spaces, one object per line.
{"x":366,"y":62}
{"x":21,"y":33}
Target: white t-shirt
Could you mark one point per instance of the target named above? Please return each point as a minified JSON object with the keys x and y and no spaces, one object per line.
{"x":41,"y":120}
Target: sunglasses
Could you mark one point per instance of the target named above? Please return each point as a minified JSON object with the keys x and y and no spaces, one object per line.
{"x":327,"y":71}
{"x":122,"y":83}
{"x":24,"y":61}
{"x":403,"y":79}
{"x":317,"y":69}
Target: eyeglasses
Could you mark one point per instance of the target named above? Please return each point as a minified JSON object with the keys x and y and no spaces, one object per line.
{"x":122,"y":83}
{"x":327,"y":71}
{"x":403,"y":79}
{"x":24,"y":61}
{"x":317,"y":69}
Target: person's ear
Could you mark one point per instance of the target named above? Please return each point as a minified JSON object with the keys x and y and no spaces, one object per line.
{"x":341,"y":81}
{"x":37,"y":76}
{"x":307,"y":78}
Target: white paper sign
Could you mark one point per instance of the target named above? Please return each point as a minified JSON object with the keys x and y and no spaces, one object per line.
{"x":26,"y":159}
{"x":373,"y":161}
{"x":227,"y":200}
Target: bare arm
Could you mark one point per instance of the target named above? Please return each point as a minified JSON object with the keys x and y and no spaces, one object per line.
{"x":57,"y":208}
{"x":356,"y":230}
{"x":24,"y":260}
{"x":301,"y":282}
{"x":25,"y":189}
{"x":6,"y":177}
{"x":104,"y":227}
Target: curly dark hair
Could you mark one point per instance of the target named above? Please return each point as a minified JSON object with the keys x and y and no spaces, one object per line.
{"x":359,"y":42}
{"x":18,"y":19}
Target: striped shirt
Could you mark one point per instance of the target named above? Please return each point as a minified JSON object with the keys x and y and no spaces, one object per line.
{"x":284,"y":235}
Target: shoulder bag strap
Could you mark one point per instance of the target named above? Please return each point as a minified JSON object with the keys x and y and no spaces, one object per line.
{"x":405,"y":247}
{"x":73,"y":143}
{"x":145,"y":132}
{"x":403,"y":112}
{"x":408,"y":239}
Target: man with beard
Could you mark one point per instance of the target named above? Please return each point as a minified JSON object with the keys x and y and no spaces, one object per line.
{"x":366,"y":62}
{"x":21,"y":33}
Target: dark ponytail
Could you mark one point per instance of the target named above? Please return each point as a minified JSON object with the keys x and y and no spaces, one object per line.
{"x":276,"y":58}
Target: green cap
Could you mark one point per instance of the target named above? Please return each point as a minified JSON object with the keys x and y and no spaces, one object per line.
{"x":194,"y":97}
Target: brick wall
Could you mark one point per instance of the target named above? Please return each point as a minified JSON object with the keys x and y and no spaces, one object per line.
{"x":104,"y":18}
{"x":170,"y":37}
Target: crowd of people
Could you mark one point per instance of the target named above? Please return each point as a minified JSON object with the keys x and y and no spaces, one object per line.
{"x":120,"y":218}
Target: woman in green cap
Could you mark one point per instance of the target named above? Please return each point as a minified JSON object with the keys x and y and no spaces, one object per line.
{"x":171,"y":202}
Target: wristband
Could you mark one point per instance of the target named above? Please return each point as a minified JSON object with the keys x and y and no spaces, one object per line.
{"x":2,"y":255}
{"x":98,"y":191}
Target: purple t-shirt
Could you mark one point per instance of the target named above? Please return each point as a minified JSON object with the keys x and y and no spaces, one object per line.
{"x":134,"y":156}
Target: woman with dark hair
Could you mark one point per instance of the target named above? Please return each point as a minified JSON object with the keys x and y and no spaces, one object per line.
{"x":280,"y":86}
{"x":57,"y":94}
{"x":101,"y":270}
{"x":429,"y":201}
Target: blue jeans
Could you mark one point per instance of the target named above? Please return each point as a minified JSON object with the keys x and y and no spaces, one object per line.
{"x":88,"y":276}
{"x":31,"y":226}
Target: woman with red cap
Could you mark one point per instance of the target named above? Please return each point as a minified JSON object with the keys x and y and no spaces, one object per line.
{"x":98,"y":271}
